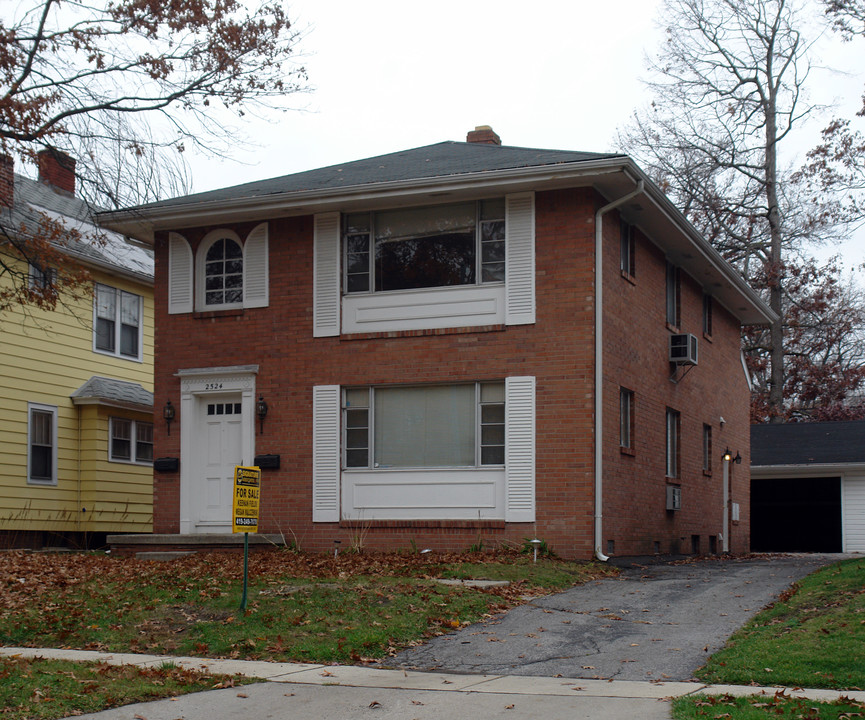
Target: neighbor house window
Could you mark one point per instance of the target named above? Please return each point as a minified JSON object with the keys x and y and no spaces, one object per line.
{"x":673,"y":430}
{"x":707,"y":449}
{"x":131,"y":441}
{"x":117,"y":323}
{"x":673,"y":300}
{"x":628,"y":249}
{"x":626,"y":419}
{"x":42,"y":279}
{"x":42,"y":444}
{"x":424,"y":426}
{"x":415,"y":248}
{"x":707,"y":315}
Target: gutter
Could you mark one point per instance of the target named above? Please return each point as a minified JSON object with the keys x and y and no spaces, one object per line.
{"x":599,"y":368}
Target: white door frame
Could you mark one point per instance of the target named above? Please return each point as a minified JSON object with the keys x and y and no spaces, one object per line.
{"x":196,"y":384}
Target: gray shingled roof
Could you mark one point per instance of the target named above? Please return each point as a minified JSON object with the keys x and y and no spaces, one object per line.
{"x":808,"y":443}
{"x":34,"y":200}
{"x":443,"y":159}
{"x":111,"y":391}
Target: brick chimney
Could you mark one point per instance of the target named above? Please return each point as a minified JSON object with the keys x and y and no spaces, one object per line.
{"x":7,"y":180}
{"x":483,"y":134}
{"x":57,"y":169}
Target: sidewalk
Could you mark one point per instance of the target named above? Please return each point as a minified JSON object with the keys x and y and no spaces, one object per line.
{"x":317,"y":691}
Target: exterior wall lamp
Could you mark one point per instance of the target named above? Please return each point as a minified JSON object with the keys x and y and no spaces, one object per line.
{"x":728,"y":456}
{"x":168,"y":415}
{"x":261,"y":412}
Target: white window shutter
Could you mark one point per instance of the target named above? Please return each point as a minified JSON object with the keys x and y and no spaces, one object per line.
{"x":255,"y":270}
{"x":520,"y":259}
{"x":179,"y":275}
{"x":325,"y":453}
{"x":326,"y":285}
{"x":520,"y":449}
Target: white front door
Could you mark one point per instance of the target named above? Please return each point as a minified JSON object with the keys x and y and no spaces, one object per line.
{"x":221,"y":435}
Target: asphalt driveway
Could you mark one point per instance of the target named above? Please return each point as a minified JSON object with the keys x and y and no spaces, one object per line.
{"x":652,"y":622}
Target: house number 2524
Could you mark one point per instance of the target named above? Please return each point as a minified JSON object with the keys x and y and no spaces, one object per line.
{"x":213,"y":386}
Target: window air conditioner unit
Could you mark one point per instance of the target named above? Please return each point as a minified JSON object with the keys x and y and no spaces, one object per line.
{"x":674,"y":497}
{"x":683,"y":349}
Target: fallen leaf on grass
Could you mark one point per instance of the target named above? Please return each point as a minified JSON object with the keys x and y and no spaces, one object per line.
{"x":242,"y":695}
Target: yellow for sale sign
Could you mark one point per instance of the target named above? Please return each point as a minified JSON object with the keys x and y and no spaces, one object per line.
{"x":244,"y":509}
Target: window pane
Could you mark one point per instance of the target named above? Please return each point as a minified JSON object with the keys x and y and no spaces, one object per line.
{"x":129,"y":309}
{"x":216,"y":251}
{"x":492,"y":414}
{"x":493,"y":455}
{"x":105,"y":335}
{"x":144,"y":442}
{"x":493,"y":272}
{"x":493,"y":209}
{"x":41,"y":426}
{"x":425,"y":427}
{"x":493,"y":392}
{"x":223,"y":269}
{"x":121,"y":439}
{"x":40,"y":463}
{"x":356,"y":418}
{"x":356,"y":438}
{"x":425,"y":247}
{"x":357,"y":458}
{"x":106,"y":302}
{"x":129,"y":340}
{"x":232,"y":250}
{"x":493,"y":252}
{"x":493,"y":434}
{"x":357,"y":397}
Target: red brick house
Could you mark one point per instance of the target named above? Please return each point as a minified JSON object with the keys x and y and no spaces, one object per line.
{"x":438,"y":362}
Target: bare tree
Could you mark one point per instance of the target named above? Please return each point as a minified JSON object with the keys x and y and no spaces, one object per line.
{"x":728,"y":91}
{"x":125,"y":86}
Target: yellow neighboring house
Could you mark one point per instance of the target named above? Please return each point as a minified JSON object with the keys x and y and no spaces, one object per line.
{"x":76,"y":383}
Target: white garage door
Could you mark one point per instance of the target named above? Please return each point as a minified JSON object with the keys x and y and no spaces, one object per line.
{"x":853,"y":504}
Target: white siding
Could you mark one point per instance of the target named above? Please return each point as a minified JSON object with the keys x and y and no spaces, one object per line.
{"x":853,"y":514}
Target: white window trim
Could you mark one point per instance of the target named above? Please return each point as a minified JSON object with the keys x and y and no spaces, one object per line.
{"x":117,"y":354}
{"x":52,"y":409}
{"x":673,"y":420}
{"x":212,"y":237}
{"x":133,"y":442}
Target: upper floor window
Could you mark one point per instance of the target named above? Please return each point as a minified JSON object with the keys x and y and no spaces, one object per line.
{"x":425,"y":426}
{"x":131,"y":441}
{"x":117,"y":324}
{"x":42,"y":444}
{"x":440,"y":246}
{"x":707,"y":315}
{"x":673,"y":299}
{"x":226,"y":272}
{"x":628,"y":249}
{"x":223,"y":272}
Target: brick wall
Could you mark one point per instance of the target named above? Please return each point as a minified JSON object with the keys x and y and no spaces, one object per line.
{"x":557,"y":350}
{"x":636,"y":350}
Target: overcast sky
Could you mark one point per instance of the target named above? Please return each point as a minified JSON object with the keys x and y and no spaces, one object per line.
{"x":389,"y":75}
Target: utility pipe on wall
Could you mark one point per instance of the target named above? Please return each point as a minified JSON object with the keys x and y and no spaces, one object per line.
{"x":599,"y":368}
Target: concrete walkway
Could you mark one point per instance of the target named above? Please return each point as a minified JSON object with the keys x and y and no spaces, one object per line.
{"x":313,"y":692}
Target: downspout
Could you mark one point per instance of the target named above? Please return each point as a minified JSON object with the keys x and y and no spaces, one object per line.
{"x":599,"y":368}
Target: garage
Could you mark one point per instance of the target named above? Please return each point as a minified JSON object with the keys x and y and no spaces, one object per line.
{"x":808,"y":487}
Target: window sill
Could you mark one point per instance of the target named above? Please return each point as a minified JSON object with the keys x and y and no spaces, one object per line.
{"x":137,"y":463}
{"x":216,"y":314}
{"x":707,"y":337}
{"x":449,"y":524}
{"x":707,"y":473}
{"x":673,"y":328}
{"x":627,"y":276}
{"x":117,"y":356}
{"x":41,"y":483}
{"x":627,"y":451}
{"x":422,"y":333}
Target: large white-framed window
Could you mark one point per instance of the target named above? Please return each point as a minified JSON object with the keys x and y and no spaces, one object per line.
{"x":130,"y":441}
{"x":41,"y":444}
{"x":117,"y":322}
{"x":424,"y":426}
{"x":424,"y":247}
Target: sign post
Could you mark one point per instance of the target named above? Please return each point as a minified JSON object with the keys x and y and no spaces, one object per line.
{"x":244,"y":513}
